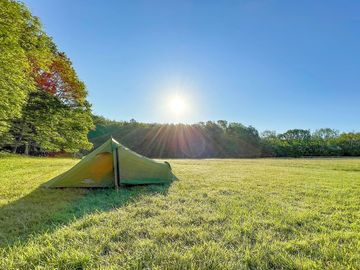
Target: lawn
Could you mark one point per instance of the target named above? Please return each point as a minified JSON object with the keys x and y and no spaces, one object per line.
{"x":220,"y":214}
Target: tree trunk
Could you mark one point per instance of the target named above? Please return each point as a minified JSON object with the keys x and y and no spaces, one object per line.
{"x":26,"y":152}
{"x":16,"y":145}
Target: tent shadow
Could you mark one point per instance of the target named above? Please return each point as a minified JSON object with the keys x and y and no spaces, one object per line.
{"x":44,"y":210}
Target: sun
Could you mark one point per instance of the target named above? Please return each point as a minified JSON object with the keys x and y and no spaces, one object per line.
{"x":177,"y":105}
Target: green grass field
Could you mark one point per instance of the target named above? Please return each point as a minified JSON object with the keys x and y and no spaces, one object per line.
{"x":221,"y":214}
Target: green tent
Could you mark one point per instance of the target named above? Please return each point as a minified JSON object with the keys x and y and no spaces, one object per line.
{"x":110,"y":165}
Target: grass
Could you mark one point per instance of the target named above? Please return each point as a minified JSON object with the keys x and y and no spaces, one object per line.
{"x":221,"y":214}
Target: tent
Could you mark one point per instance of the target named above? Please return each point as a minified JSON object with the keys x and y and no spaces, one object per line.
{"x":112,"y":164}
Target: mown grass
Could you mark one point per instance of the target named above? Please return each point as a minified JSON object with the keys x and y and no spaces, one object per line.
{"x":221,"y":214}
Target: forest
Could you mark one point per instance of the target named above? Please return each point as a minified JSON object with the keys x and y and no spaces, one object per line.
{"x":222,"y":139}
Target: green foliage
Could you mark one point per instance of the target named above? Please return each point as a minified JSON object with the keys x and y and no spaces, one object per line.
{"x":222,"y":139}
{"x":221,"y":214}
{"x":15,"y":81}
{"x":323,"y":142}
{"x":210,"y":139}
{"x":23,"y":46}
{"x":349,"y":143}
{"x":49,"y":125}
{"x":43,"y":103}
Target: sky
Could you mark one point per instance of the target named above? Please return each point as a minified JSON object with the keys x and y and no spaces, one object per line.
{"x":275,"y":65}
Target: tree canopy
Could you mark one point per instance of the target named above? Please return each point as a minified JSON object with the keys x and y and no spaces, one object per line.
{"x":43,"y":103}
{"x":221,"y":139}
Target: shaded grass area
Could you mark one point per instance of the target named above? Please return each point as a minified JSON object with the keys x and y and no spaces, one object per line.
{"x":221,"y":214}
{"x":42,"y":210}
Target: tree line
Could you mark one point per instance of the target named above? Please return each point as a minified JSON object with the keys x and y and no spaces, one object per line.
{"x":222,"y":139}
{"x":43,"y":106}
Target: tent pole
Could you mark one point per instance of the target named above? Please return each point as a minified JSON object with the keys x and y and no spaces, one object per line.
{"x":115,"y":167}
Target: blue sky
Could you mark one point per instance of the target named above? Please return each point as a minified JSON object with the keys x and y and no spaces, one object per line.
{"x":270,"y":64}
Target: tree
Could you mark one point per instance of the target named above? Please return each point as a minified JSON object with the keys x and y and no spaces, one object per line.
{"x":57,"y":116}
{"x":296,"y":134}
{"x":325,"y":133}
{"x":61,"y":81}
{"x":14,"y":65}
{"x":323,"y":142}
{"x":23,"y":46}
{"x":349,"y":143}
{"x":223,"y":124}
{"x":50,"y":125}
{"x":269,"y":135}
{"x":43,"y":103}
